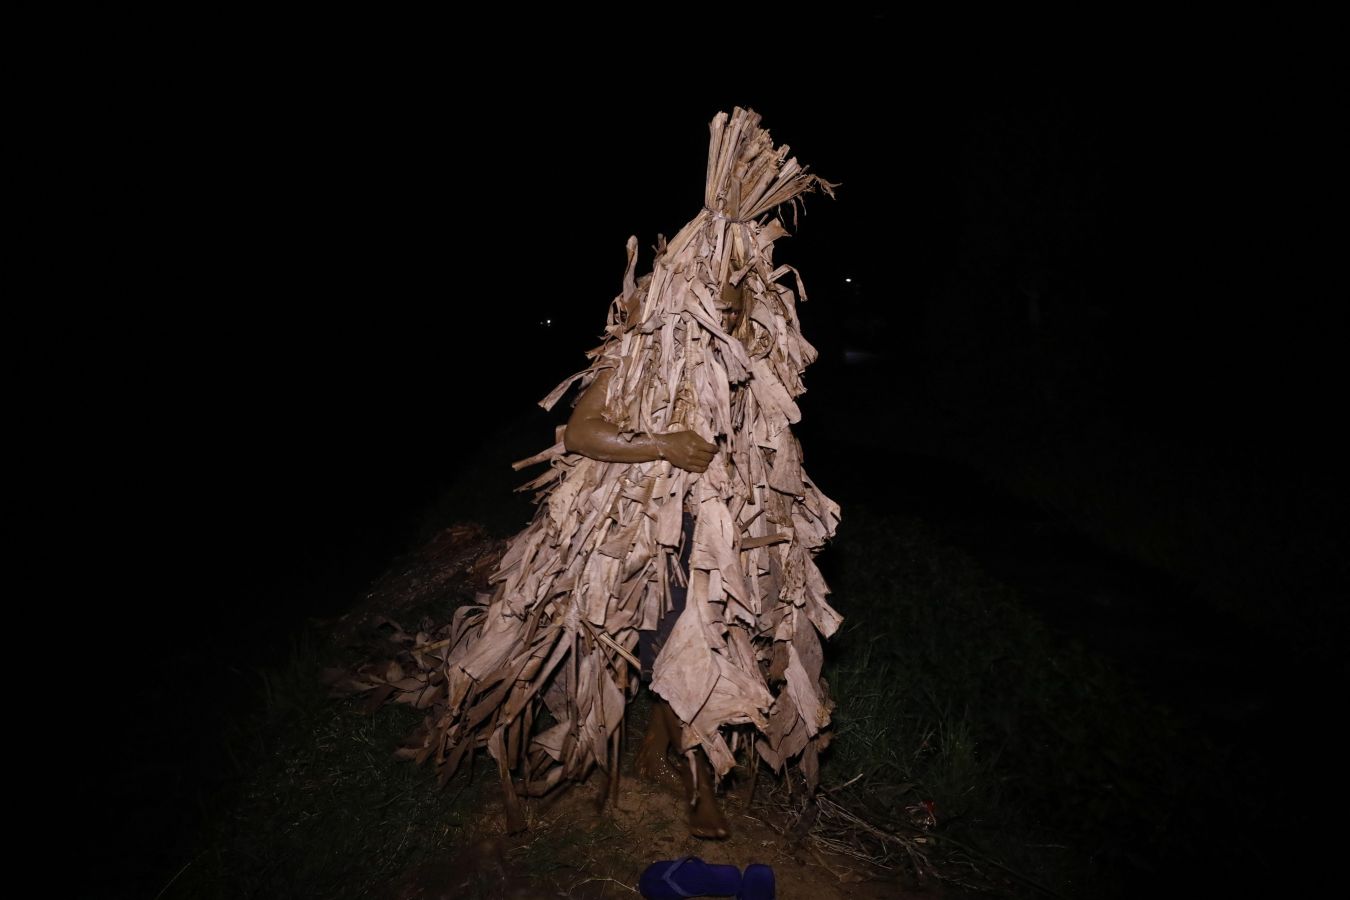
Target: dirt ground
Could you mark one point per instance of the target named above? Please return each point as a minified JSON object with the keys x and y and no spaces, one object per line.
{"x":572,"y":849}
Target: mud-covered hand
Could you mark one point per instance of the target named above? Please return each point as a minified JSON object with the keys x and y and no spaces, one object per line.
{"x":685,"y":449}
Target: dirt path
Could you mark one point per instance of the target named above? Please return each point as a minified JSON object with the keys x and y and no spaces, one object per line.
{"x":572,"y":849}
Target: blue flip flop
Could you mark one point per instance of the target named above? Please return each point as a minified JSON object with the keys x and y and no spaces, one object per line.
{"x":757,"y":884}
{"x":689,"y":877}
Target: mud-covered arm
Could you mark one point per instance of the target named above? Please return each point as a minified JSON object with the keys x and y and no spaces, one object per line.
{"x":590,"y":435}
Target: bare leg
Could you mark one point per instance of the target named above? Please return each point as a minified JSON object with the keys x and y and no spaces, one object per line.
{"x":655,"y":742}
{"x":705,"y":816}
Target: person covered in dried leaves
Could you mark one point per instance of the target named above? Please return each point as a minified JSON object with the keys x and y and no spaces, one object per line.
{"x":590,"y":434}
{"x":674,"y":539}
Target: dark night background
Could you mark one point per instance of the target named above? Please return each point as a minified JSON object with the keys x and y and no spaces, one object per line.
{"x":342,"y":256}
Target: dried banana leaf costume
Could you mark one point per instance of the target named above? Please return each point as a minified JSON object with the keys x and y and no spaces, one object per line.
{"x":598,"y":561}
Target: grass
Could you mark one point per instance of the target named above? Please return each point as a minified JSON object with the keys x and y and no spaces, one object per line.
{"x":1030,"y":748}
{"x":1252,"y":531}
{"x":320,"y":808}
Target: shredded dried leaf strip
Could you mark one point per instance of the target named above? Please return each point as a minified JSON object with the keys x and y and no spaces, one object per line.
{"x":559,"y":631}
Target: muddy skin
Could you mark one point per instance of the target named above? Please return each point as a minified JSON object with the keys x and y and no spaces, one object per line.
{"x":706,"y":819}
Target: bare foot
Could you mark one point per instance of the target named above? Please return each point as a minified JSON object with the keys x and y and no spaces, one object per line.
{"x":706,"y":819}
{"x":705,"y":814}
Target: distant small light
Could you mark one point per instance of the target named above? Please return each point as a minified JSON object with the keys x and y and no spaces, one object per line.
{"x":848,"y":281}
{"x":548,"y":321}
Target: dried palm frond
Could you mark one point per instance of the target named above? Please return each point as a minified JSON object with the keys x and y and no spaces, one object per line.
{"x":559,"y":630}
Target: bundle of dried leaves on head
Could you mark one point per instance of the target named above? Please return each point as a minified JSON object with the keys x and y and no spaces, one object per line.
{"x":539,"y":670}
